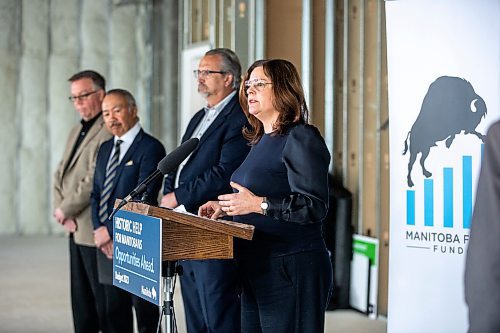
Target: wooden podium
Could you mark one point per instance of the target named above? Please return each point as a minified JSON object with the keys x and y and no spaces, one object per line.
{"x":186,"y":236}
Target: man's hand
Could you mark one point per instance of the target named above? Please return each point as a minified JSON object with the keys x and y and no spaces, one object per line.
{"x":59,"y":215}
{"x":107,"y":249}
{"x":169,"y":200}
{"x":70,"y":225}
{"x":101,"y":237}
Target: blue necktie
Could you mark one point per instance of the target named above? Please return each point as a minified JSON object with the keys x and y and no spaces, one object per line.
{"x":108,"y":183}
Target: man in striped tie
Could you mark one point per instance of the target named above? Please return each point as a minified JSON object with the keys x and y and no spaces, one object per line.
{"x":122,"y":163}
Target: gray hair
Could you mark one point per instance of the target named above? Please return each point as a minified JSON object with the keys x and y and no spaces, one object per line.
{"x":230,"y":63}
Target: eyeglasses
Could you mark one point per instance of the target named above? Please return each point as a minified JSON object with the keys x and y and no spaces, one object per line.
{"x":256,"y":84}
{"x":82,"y":97}
{"x":206,"y":72}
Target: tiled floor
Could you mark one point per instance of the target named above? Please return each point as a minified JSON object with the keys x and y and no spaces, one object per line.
{"x":34,"y":291}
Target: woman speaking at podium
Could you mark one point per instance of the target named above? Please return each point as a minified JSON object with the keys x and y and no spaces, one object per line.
{"x":282,"y":189}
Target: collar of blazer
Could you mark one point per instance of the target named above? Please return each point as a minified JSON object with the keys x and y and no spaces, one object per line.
{"x":221,"y":118}
{"x":93,"y":131}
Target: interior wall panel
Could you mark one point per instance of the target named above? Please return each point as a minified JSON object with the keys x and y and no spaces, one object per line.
{"x":94,"y":35}
{"x":340,"y":96}
{"x":360,"y":115}
{"x":384,"y":172}
{"x":370,"y":132}
{"x":63,"y":62}
{"x":318,"y":65}
{"x":283,"y":30}
{"x":9,"y":134}
{"x":42,"y":43}
{"x":34,"y":185}
{"x":354,"y":107}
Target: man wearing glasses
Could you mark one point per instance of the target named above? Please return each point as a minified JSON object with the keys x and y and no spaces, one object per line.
{"x":210,"y":288}
{"x":72,"y":186}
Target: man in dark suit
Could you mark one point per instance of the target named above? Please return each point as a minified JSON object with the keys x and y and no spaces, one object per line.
{"x":122,"y":163}
{"x":482,"y":267}
{"x":72,"y":187}
{"x":210,"y":288}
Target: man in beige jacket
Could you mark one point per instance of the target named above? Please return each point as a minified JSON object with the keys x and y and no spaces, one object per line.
{"x":72,"y":186}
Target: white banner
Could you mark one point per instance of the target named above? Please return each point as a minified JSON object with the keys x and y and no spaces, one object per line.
{"x":443,"y":72}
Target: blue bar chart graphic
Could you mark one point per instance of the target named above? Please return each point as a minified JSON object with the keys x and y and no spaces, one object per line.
{"x":467,"y":190}
{"x":449,"y":197}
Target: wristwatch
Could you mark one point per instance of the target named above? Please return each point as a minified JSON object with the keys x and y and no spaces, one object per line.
{"x":264,"y":205}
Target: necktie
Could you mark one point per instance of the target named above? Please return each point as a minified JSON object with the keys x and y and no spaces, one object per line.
{"x":108,"y":183}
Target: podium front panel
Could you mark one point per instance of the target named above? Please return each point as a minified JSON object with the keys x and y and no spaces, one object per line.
{"x":137,"y":255}
{"x":181,"y":241}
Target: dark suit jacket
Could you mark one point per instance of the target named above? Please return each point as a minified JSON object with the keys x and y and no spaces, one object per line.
{"x":221,"y":150}
{"x":139,"y":162}
{"x":482,"y":268}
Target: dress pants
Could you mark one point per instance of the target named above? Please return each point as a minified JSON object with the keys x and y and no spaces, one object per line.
{"x":286,"y":294}
{"x":87,"y":294}
{"x":210,"y":291}
{"x":119,"y":312}
{"x":119,"y":304}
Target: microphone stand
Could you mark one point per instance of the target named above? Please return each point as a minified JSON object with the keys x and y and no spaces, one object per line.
{"x":117,"y":208}
{"x":140,"y":189}
{"x":170,"y":270}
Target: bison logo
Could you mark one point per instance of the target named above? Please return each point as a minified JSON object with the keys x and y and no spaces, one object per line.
{"x":449,"y":107}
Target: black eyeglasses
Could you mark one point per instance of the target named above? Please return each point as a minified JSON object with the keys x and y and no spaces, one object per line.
{"x":81,"y":97}
{"x":204,"y":73}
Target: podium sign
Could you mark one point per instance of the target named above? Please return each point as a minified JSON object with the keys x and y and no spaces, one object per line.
{"x":137,"y":255}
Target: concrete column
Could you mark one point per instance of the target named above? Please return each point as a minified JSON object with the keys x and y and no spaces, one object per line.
{"x":94,"y":41}
{"x":63,"y":62}
{"x":123,"y":64}
{"x":144,"y":53}
{"x":166,"y":68}
{"x":34,"y":189}
{"x":9,"y":135}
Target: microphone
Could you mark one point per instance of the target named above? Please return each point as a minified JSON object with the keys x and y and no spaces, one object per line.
{"x":166,"y":165}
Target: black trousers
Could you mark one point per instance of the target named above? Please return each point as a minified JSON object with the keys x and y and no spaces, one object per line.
{"x":119,"y":303}
{"x":210,"y":291}
{"x":286,"y":294}
{"x":87,"y":294}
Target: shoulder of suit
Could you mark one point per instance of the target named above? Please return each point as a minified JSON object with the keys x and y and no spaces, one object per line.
{"x":76,"y":128}
{"x":494,"y":128}
{"x":149,"y":137}
{"x":146,"y":135}
{"x":237,"y":115}
{"x":107,"y":142}
{"x":234,"y":102}
{"x":198,"y":113}
{"x":235,"y":108}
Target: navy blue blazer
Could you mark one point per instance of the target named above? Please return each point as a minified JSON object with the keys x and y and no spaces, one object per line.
{"x":139,"y":162}
{"x":221,"y":150}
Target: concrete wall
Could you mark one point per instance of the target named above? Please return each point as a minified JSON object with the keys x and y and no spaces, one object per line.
{"x":42,"y":43}
{"x":9,"y":135}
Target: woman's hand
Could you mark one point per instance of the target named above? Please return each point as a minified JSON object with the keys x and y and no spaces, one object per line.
{"x":211,"y":210}
{"x":241,"y":203}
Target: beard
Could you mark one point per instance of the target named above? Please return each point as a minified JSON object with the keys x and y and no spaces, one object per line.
{"x":203,"y":90}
